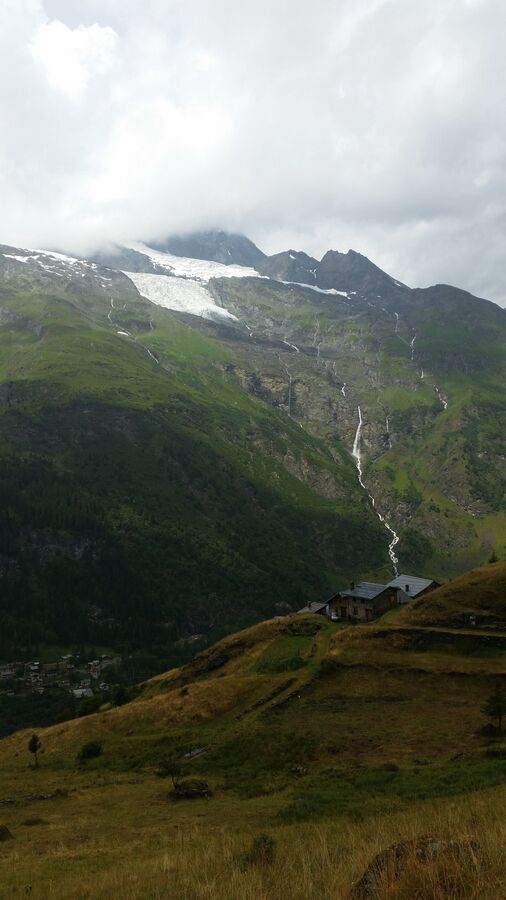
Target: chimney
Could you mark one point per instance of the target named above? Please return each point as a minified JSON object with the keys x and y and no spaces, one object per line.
{"x":352,"y":585}
{"x":407,"y":589}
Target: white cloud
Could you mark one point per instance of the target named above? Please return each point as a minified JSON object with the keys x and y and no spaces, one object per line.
{"x":71,"y":56}
{"x":379,"y":125}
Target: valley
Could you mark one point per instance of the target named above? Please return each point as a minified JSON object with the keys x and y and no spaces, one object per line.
{"x":290,"y":424}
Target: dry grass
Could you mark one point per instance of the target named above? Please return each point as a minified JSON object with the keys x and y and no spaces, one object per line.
{"x":115,"y":835}
{"x":480,"y":592}
{"x":160,"y":851}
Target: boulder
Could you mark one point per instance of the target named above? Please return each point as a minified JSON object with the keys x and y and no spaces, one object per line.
{"x":389,"y":865}
{"x":191,"y":789}
{"x":5,"y":834}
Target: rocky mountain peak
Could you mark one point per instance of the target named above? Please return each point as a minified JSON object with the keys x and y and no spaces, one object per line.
{"x":353,"y":271}
{"x":217,"y":246}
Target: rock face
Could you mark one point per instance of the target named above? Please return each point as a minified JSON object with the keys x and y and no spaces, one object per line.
{"x":290,"y":266}
{"x":389,"y":865}
{"x":352,"y":271}
{"x":219,"y":246}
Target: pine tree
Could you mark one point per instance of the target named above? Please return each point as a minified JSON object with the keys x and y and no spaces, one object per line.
{"x":495,"y":706}
{"x":34,"y":745}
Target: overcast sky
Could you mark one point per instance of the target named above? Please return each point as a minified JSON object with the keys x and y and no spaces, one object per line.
{"x":373,"y":124}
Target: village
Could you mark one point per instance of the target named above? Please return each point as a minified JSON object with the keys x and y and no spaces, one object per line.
{"x":367,"y":600}
{"x":69,"y":673}
{"x":83,"y":679}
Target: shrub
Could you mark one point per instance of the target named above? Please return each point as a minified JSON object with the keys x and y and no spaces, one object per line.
{"x":497,"y":752}
{"x":89,"y":705}
{"x":89,"y":751}
{"x":170,"y":768}
{"x":329,"y":665}
{"x":261,"y":853}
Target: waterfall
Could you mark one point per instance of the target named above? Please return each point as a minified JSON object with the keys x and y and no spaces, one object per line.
{"x":387,"y":423}
{"x":396,"y":323}
{"x":357,"y":455}
{"x":440,"y":397}
{"x":289,"y":394}
{"x":343,"y":390}
{"x":356,"y":452}
{"x":412,"y":345}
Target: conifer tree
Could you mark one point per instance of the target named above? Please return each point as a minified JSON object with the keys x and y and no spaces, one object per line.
{"x":34,"y":745}
{"x":495,"y":707}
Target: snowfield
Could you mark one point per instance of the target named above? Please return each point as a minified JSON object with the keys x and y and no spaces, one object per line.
{"x":198,"y":269}
{"x":312,"y":287}
{"x":181,"y":294}
{"x":57,"y":263}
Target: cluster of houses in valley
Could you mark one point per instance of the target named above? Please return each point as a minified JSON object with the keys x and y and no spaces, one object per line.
{"x":366,"y":600}
{"x":66,"y":673}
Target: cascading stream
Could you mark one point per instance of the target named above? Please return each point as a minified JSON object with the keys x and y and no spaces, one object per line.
{"x":357,"y":455}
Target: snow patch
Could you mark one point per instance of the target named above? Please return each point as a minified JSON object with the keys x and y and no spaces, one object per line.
{"x":21,"y":259}
{"x":312,"y":287}
{"x":180,"y":294}
{"x":196,"y":269}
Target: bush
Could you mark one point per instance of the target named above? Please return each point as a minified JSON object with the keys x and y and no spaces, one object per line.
{"x":329,"y":665}
{"x":261,"y":853}
{"x":89,"y":751}
{"x":90,"y":705}
{"x":496,"y":752}
{"x":170,"y":768}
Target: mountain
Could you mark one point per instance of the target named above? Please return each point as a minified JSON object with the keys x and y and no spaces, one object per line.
{"x":292,"y":732}
{"x":291,"y":265}
{"x":146,"y":497}
{"x":193,"y":445}
{"x":219,"y":246}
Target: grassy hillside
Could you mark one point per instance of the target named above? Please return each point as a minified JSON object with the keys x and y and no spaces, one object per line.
{"x":334,"y":741}
{"x":479,"y":596}
{"x":144,"y":496}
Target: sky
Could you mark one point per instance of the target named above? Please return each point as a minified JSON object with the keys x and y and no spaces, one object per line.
{"x":377,"y":125}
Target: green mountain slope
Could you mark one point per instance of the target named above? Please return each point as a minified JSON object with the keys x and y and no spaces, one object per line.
{"x":145,"y":496}
{"x":427,"y":369}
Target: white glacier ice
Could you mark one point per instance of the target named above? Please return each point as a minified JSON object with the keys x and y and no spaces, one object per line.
{"x":180,"y":294}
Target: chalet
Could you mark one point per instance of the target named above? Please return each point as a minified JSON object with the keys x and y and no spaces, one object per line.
{"x":363,"y":601}
{"x":410,"y":586}
{"x":317,"y":608}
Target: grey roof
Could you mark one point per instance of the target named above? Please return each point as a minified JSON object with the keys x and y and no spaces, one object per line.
{"x":416,"y":585}
{"x":364,"y":590}
{"x":312,"y":607}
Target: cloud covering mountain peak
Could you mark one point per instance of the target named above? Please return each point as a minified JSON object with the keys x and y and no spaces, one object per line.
{"x":378,"y":126}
